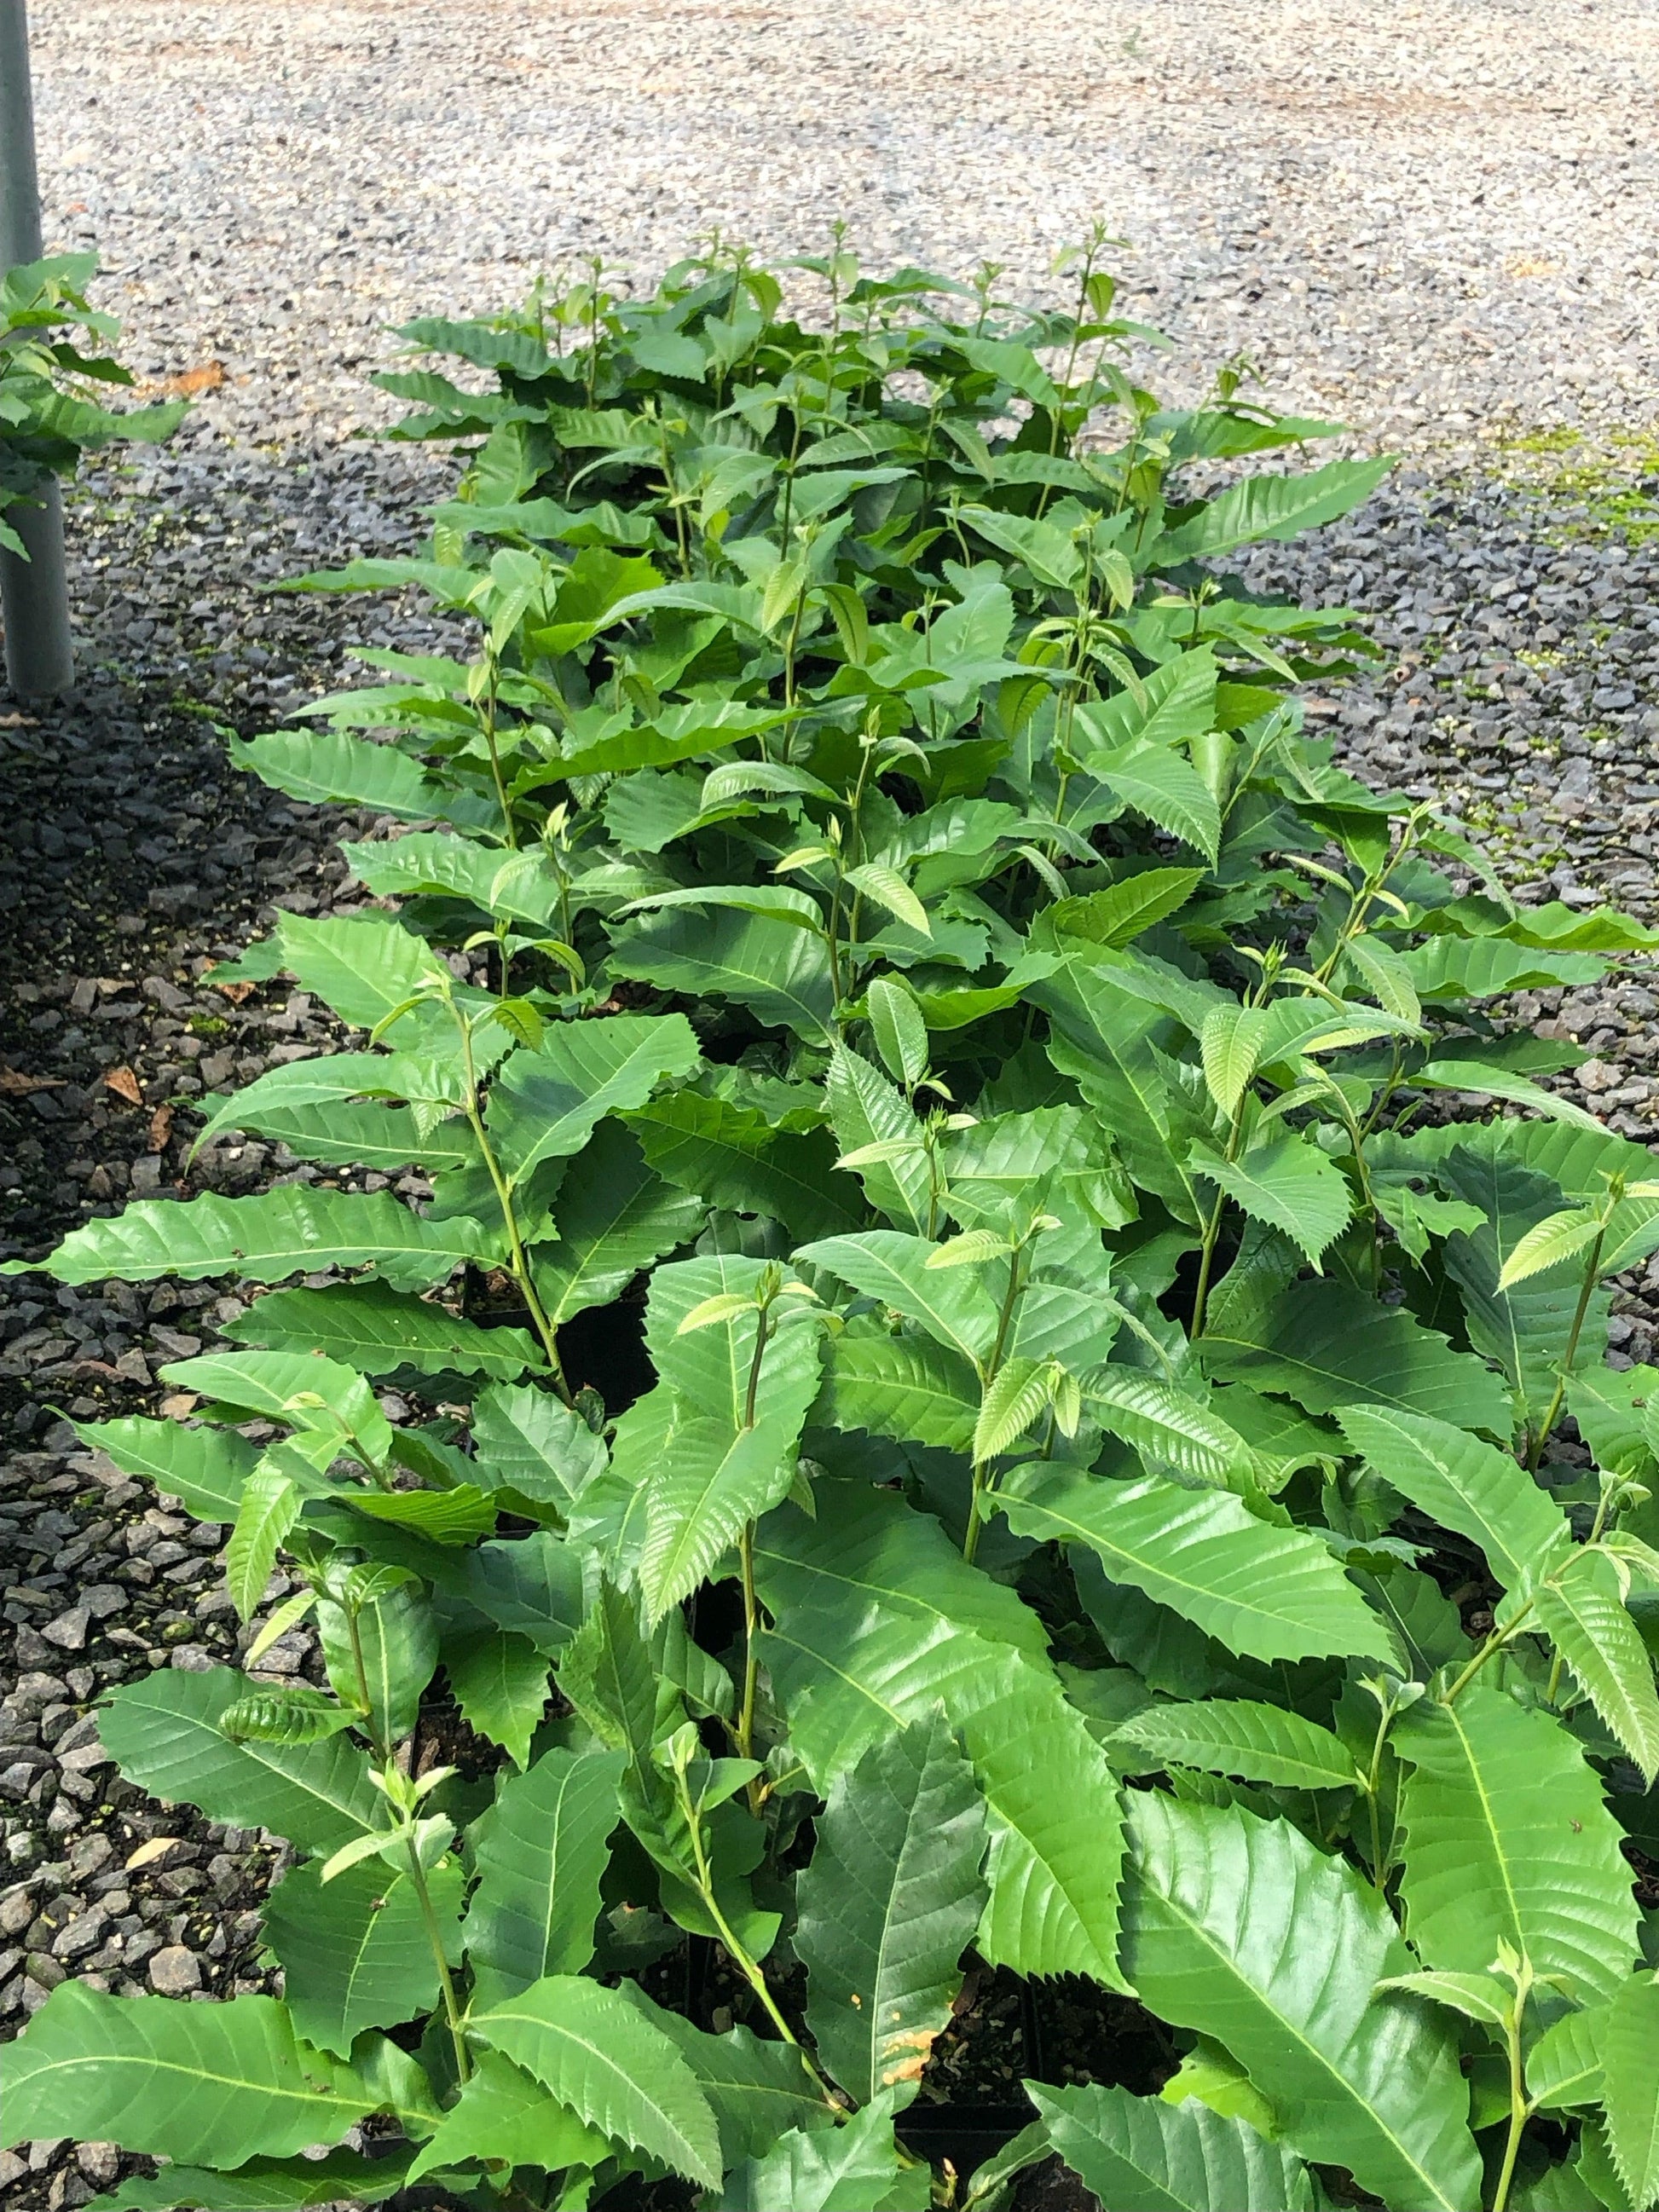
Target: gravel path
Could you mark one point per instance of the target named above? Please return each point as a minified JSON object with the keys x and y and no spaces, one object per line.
{"x":1418,"y":213}
{"x":1425,"y":219}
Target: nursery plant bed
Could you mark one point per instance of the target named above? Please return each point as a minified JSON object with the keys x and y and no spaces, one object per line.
{"x":935,"y":1342}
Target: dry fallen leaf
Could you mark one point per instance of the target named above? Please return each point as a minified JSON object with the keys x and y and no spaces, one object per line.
{"x":160,"y":1128}
{"x":16,"y":1085}
{"x":208,"y":376}
{"x":235,"y":992}
{"x":147,"y":1854}
{"x":19,"y":722}
{"x":179,"y":1405}
{"x":124,"y":1084}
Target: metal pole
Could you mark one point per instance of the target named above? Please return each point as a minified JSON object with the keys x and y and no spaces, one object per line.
{"x":33,"y":594}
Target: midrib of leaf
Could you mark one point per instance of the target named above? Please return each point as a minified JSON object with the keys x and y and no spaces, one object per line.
{"x":1312,"y":2050}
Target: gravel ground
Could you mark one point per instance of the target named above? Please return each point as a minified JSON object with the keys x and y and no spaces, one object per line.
{"x":1433,"y":220}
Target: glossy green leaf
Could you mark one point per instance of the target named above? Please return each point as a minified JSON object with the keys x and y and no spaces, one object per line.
{"x":287,"y":1230}
{"x":1242,"y":1927}
{"x":377,"y":1331}
{"x":164,"y":1734}
{"x":502,"y":1686}
{"x":355,"y":1951}
{"x":544,"y":1104}
{"x":503,"y":2116}
{"x":614,"y":1215}
{"x":1238,"y":1736}
{"x":1630,"y":2086}
{"x":540,"y":1852}
{"x":1464,"y":1484}
{"x":853,"y":2168}
{"x":1581,"y":1608}
{"x":206,"y":1468}
{"x":1507,"y":1839}
{"x":620,"y":2075}
{"x":214,"y":2082}
{"x":1265,"y":1592}
{"x":1327,"y":1346}
{"x":889,"y":1904}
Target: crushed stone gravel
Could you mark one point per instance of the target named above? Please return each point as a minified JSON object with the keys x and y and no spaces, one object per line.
{"x":1435,"y":220}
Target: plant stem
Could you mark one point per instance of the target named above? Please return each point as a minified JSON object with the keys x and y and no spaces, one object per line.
{"x":488,"y":716}
{"x":751,"y":1656}
{"x":453,"y":2013}
{"x":372,"y":1729}
{"x":1206,"y":1262}
{"x":1517,"y":2105}
{"x":1379,"y":1872}
{"x":1592,"y":1271}
{"x":518,"y":1264}
{"x":1495,"y":1641}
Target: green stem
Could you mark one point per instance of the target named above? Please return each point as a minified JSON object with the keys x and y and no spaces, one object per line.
{"x":981,"y":1480}
{"x":1495,"y":1641}
{"x":1517,"y":2106}
{"x":746,"y":1965}
{"x":487,"y":705}
{"x":1206,"y":1263}
{"x":453,"y":2013}
{"x":371,"y":1726}
{"x":751,"y":1656}
{"x":1379,"y":1872}
{"x":518,"y":1263}
{"x":1592,"y":1271}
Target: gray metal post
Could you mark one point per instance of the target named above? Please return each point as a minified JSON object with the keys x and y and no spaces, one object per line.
{"x":33,"y":594}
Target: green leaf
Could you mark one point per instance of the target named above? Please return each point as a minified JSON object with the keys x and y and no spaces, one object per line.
{"x":164,"y":1734}
{"x":889,"y":1904}
{"x":204,"y":1467}
{"x":1272,"y":507}
{"x":540,"y":1852}
{"x":889,"y":889}
{"x":287,"y":1230}
{"x":877,"y":1621}
{"x":620,"y":2075}
{"x":503,"y":2116}
{"x":1482,"y":1997}
{"x":852,"y":2168}
{"x":903,"y":1386}
{"x":733,"y":1156}
{"x":901,"y":1034}
{"x":612,"y":1217}
{"x":1162,"y":1422}
{"x":526,"y":1441}
{"x":1446,"y":969}
{"x":1144,"y":2156}
{"x":1328,"y":1346}
{"x":778,"y":971}
{"x":1463,"y":1484}
{"x":1118,"y":915}
{"x":1242,"y":1927}
{"x":1109,"y":1042}
{"x":1237,"y":1736}
{"x":397,"y":1643}
{"x":1264,"y":1592}
{"x":1508,"y":1840}
{"x":1523,"y":1327}
{"x":443,"y":1516}
{"x":544,"y":1104}
{"x":1290,"y":1184}
{"x":1630,"y":2091}
{"x":314,"y":1395}
{"x":954,"y":1305}
{"x":365,"y":966}
{"x":502,"y":1686}
{"x":264,"y":2184}
{"x":714,"y":1366}
{"x":531,"y":1585}
{"x":326,"y":768}
{"x":1446,"y":1073}
{"x":706,"y":1482}
{"x":867,"y":1110}
{"x":1564,"y":2066}
{"x":269,"y":1509}
{"x":1580,"y":1607}
{"x":290,"y":1713}
{"x":377,"y":1331}
{"x":1166,"y":788}
{"x":354,"y":1951}
{"x":217,"y":2082}
{"x":758,"y":2090}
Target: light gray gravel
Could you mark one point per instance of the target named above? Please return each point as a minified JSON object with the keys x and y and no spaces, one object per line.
{"x":1416,"y":214}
